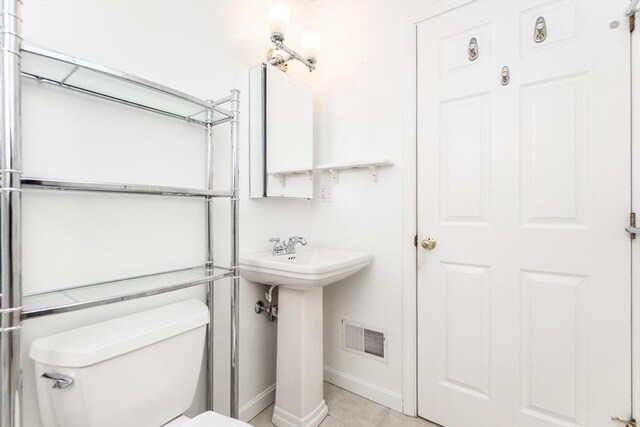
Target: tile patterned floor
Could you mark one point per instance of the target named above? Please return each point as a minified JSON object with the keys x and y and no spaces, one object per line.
{"x":349,"y":410}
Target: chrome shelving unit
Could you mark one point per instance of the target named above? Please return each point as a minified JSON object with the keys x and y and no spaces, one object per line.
{"x":102,"y":293}
{"x":24,"y":60}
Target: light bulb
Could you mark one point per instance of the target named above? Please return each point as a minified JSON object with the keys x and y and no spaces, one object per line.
{"x":310,"y":44}
{"x":278,"y":18}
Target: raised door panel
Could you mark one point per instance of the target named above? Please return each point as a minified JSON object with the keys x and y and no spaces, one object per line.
{"x":466,"y":341}
{"x":553,"y":347}
{"x":464,"y":162}
{"x":553,"y":153}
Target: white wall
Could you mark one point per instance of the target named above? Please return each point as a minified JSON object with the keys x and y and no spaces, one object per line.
{"x":361,"y":94}
{"x":204,"y":48}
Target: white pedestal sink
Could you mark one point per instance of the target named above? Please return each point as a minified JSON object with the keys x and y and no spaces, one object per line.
{"x":300,"y":277}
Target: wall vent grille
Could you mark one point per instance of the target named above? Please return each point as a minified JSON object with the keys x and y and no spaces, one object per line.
{"x":364,"y":340}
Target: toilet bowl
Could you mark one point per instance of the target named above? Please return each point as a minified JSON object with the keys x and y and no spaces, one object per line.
{"x":139,"y":370}
{"x":206,"y":419}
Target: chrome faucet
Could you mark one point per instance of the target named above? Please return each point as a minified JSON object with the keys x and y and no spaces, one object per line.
{"x":288,"y":247}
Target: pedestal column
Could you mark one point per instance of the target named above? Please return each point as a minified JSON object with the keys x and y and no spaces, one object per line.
{"x":299,"y":401}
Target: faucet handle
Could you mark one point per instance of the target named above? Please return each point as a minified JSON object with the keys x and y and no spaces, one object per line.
{"x":298,"y":239}
{"x":275,"y":240}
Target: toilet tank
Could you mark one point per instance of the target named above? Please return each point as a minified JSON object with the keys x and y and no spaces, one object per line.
{"x":139,"y":370}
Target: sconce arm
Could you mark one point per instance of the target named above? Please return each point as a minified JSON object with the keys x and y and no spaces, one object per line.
{"x":278,"y":41}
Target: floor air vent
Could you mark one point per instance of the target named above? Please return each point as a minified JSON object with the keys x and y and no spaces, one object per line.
{"x":364,"y":340}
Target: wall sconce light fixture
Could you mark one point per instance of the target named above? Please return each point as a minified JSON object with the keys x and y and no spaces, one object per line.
{"x":281,"y":54}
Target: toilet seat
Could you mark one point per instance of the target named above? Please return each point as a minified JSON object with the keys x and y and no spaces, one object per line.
{"x":213,"y":419}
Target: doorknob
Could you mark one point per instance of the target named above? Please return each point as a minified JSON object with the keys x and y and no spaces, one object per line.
{"x":428,"y":243}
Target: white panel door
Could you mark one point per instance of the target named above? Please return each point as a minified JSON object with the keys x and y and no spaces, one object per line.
{"x":524,"y":304}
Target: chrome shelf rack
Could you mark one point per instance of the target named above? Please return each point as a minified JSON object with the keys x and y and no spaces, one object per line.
{"x":20,"y":60}
{"x":96,"y":294}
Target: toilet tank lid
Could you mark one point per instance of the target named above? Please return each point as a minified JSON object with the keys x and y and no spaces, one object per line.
{"x":105,"y":340}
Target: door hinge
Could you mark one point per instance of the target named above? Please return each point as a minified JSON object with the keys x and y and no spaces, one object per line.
{"x":632,"y":23}
{"x":632,"y":229}
{"x":628,"y":422}
{"x":415,"y":240}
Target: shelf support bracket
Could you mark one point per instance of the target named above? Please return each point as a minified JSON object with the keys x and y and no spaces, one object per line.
{"x":282,"y":178}
{"x":374,"y":173}
{"x":334,"y":173}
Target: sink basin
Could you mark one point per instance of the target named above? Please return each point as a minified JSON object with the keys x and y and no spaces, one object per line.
{"x":307,"y":268}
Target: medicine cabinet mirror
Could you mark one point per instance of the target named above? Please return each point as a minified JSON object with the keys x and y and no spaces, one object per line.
{"x":281,"y":135}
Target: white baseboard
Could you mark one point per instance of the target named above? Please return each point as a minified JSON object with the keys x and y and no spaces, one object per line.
{"x":375,"y":393}
{"x":381,"y":395}
{"x":258,"y":404}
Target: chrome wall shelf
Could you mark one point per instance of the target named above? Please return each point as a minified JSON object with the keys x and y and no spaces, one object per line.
{"x":97,"y":294}
{"x":104,"y":187}
{"x":55,"y":68}
{"x":19,"y":58}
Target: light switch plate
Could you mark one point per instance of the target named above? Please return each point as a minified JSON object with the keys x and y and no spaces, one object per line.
{"x":326,"y":193}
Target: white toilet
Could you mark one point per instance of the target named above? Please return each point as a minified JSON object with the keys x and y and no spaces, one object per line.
{"x":139,"y":370}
